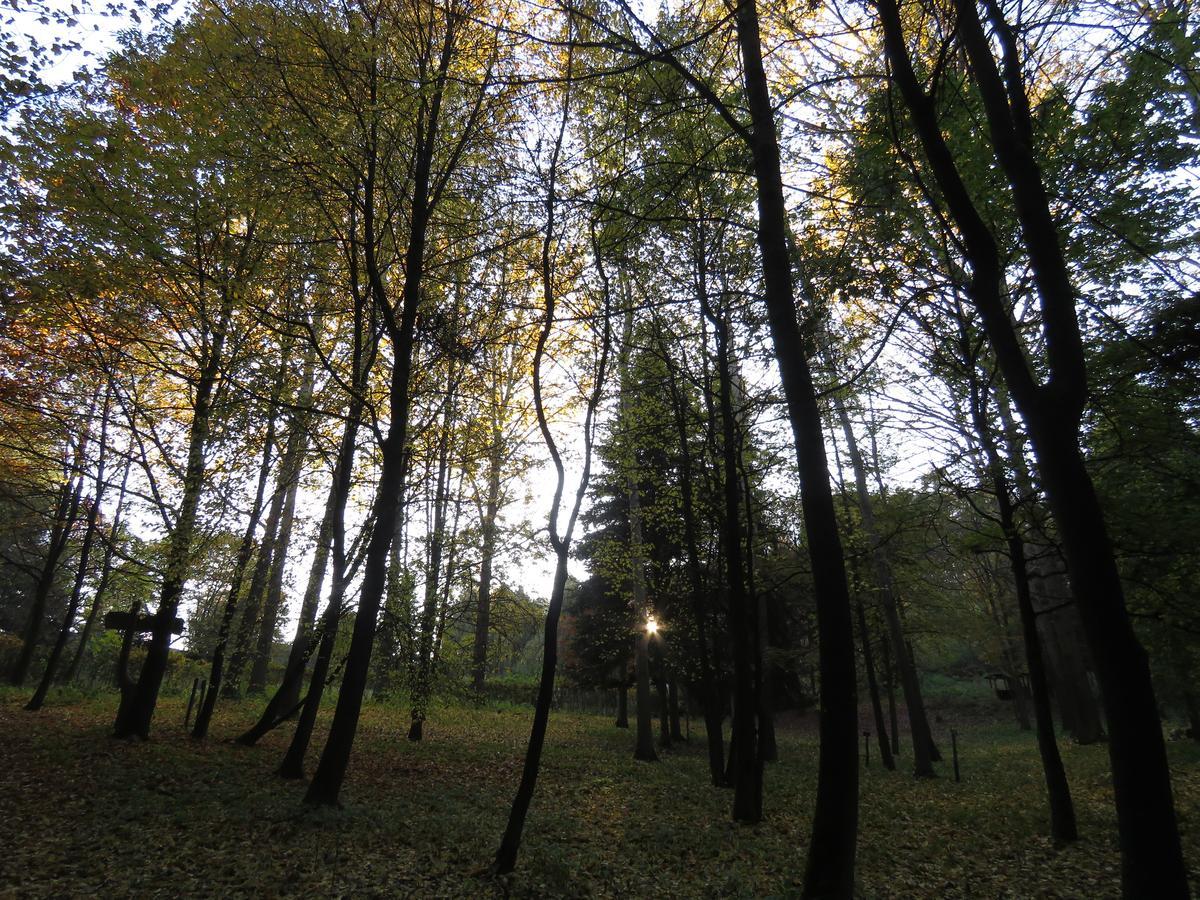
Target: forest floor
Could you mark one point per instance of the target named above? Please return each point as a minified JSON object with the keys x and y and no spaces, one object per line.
{"x":82,"y":814}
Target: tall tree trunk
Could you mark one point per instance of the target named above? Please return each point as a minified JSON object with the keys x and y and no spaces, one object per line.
{"x":745,"y":761}
{"x":893,"y":718}
{"x":138,"y":703}
{"x":429,"y":610}
{"x":106,"y":568}
{"x":881,"y":731}
{"x":673,"y":709}
{"x":483,"y":610}
{"x":622,"y":706}
{"x":1057,"y":613}
{"x":664,"y":713}
{"x":290,"y":466}
{"x":66,"y":511}
{"x":768,"y":750}
{"x":216,"y":674}
{"x":326,"y":783}
{"x":644,"y":748}
{"x":886,"y":752}
{"x":1151,"y":855}
{"x":1062,"y":809}
{"x":709,"y":696}
{"x":365,"y":344}
{"x":830,"y":867}
{"x":252,"y":608}
{"x":289,"y":690}
{"x":292,"y":764}
{"x":910,"y":682}
{"x":510,"y":842}
{"x":85,"y":552}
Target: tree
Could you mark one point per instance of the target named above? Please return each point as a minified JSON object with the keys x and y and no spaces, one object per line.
{"x":1052,"y":410}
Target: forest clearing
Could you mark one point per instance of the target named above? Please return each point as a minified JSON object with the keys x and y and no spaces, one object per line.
{"x":422,"y":819}
{"x":379,"y":379}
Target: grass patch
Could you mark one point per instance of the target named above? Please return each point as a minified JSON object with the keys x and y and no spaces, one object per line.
{"x":84,"y":814}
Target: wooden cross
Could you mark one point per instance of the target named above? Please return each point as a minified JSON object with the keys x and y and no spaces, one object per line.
{"x":131,"y":623}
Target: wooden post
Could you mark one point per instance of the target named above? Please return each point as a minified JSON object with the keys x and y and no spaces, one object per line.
{"x":954,"y":752}
{"x":187,"y":717}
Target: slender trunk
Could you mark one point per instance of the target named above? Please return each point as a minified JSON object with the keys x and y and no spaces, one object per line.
{"x":830,"y":867}
{"x":242,"y":650}
{"x":713,"y":717}
{"x":451,"y":574}
{"x":746,"y":761}
{"x":66,"y":510}
{"x":290,"y":689}
{"x":910,"y":682}
{"x":487,"y":551}
{"x":261,"y":657}
{"x":1057,"y":613}
{"x":768,"y":751}
{"x":664,"y":713}
{"x":1062,"y":810}
{"x":208,"y":701}
{"x":85,"y":551}
{"x":510,"y":843}
{"x":289,"y":477}
{"x":424,"y":680}
{"x":292,"y":765}
{"x":326,"y":783}
{"x":644,"y":748}
{"x":137,"y":704}
{"x":881,"y":732}
{"x":673,"y":709}
{"x":106,"y":568}
{"x":893,"y":718}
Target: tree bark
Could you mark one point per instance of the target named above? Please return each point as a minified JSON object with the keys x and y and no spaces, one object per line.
{"x":673,"y":709}
{"x":292,"y":765}
{"x":644,"y":748}
{"x":252,"y":607}
{"x":1062,"y":810}
{"x":709,"y":696}
{"x":745,"y":761}
{"x":830,"y":868}
{"x":510,"y":842}
{"x":212,"y":690}
{"x":290,"y":689}
{"x":893,"y":718}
